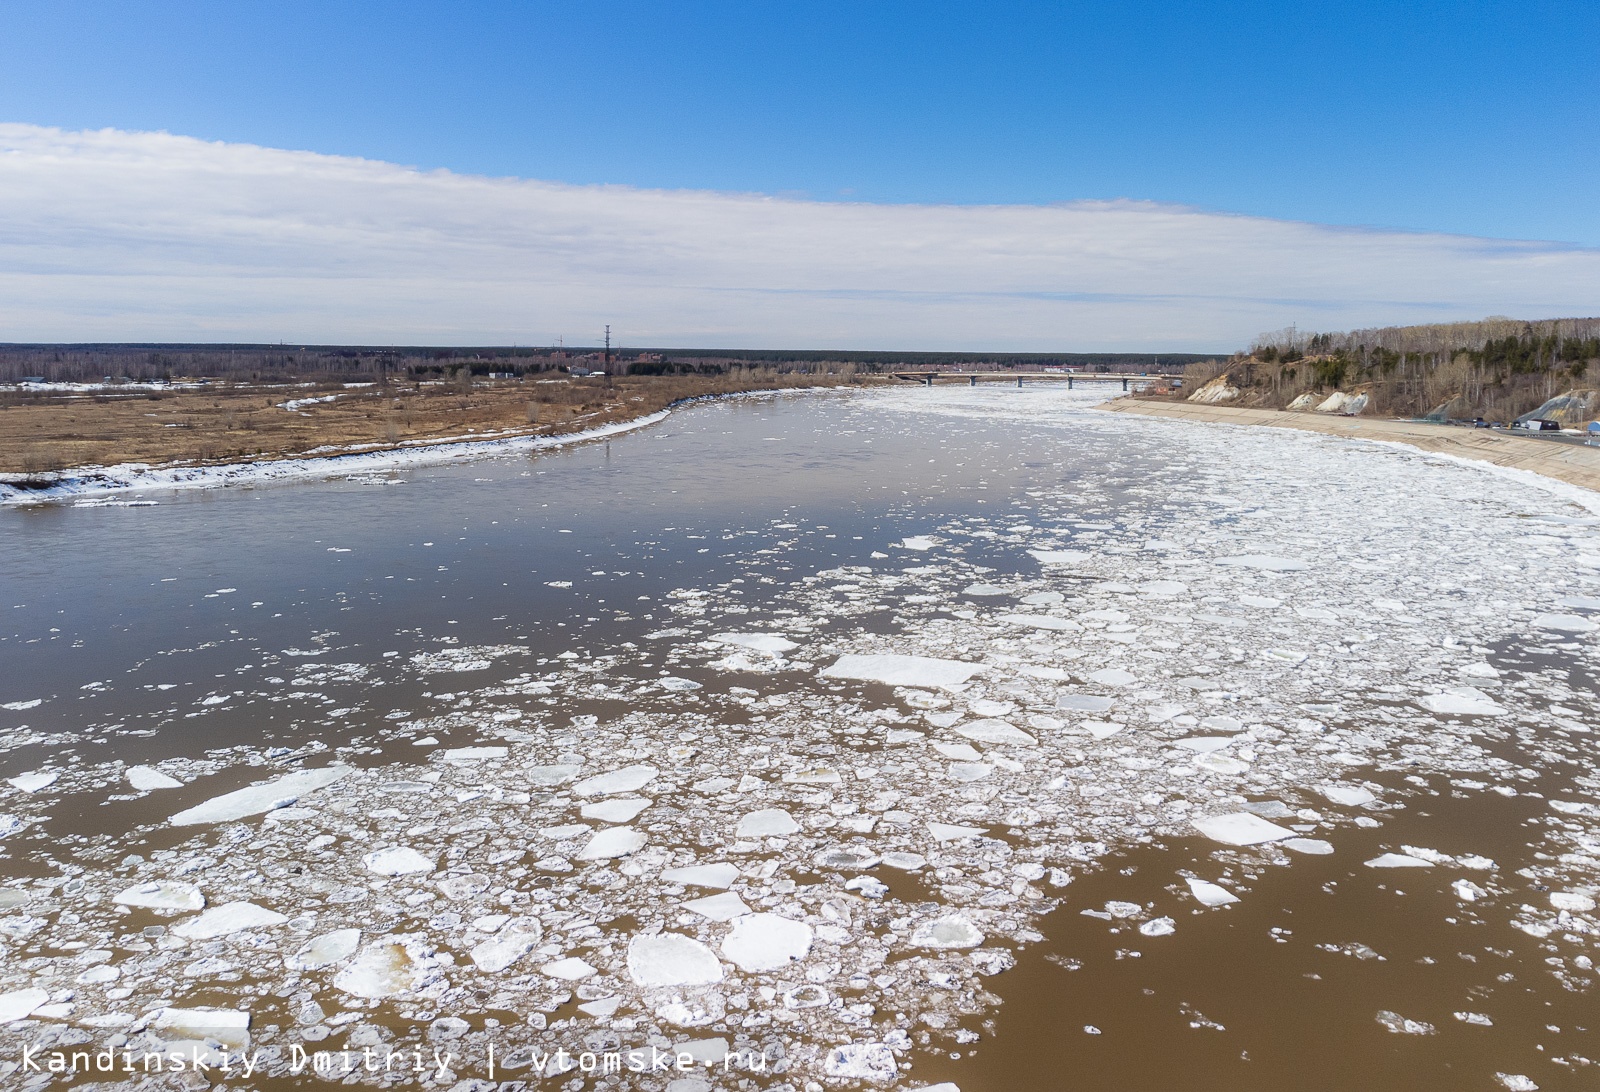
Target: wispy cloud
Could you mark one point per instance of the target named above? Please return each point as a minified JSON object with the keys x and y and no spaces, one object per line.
{"x":115,"y":235}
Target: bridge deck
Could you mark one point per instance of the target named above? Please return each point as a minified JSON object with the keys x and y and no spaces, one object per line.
{"x":1071,"y":378}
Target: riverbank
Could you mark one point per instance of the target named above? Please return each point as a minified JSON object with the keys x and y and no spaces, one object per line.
{"x":582,"y":410}
{"x":1570,"y":463}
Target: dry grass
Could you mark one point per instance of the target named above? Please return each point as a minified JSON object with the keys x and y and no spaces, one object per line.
{"x":42,"y":433}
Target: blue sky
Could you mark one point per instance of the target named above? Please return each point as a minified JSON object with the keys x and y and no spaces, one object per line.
{"x":1091,"y":176}
{"x":1469,"y":117}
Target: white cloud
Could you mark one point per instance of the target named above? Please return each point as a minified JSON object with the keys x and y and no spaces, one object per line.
{"x":114,"y":235}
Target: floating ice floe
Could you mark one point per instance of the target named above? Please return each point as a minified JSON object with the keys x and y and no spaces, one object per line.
{"x":466,"y":756}
{"x":627,"y":779}
{"x":919,"y":542}
{"x":20,"y":1004}
{"x":396,"y":861}
{"x":612,"y":842}
{"x":1572,"y":901}
{"x":861,"y":1062}
{"x":1241,"y":829}
{"x":148,"y":779}
{"x":33,"y":782}
{"x":1565,"y":623}
{"x":1210,"y":894}
{"x":1463,"y":701}
{"x":1084,"y":703}
{"x":995,"y":731}
{"x":1041,"y":621}
{"x":706,"y":875}
{"x":162,"y":895}
{"x":571,"y":969}
{"x":767,"y":823}
{"x":229,"y":1027}
{"x":766,"y":942}
{"x":1312,"y":847}
{"x":897,"y":670}
{"x":384,"y":968}
{"x":1266,"y":562}
{"x":1112,"y":676}
{"x":622,"y":809}
{"x":671,"y":959}
{"x":1399,"y":1025}
{"x":549,"y":776}
{"x":723,"y":907}
{"x":773,"y":644}
{"x":1158,"y":927}
{"x":514,"y":940}
{"x":325,"y":950}
{"x":233,"y":917}
{"x":1059,"y":557}
{"x":951,"y":931}
{"x":1349,"y":795}
{"x":1398,"y":860}
{"x":951,"y":832}
{"x":256,"y":799}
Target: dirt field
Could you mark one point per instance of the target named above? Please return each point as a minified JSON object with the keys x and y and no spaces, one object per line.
{"x":193,"y":424}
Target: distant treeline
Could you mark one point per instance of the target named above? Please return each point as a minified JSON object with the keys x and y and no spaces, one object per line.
{"x":275,"y":363}
{"x":1499,"y":368}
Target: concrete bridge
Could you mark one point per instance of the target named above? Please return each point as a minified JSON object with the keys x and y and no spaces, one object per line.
{"x":1071,"y":378}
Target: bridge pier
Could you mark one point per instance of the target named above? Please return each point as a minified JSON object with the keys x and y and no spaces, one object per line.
{"x":1019,"y":380}
{"x":972,"y":381}
{"x":1069,"y":382}
{"x":1124,"y":384}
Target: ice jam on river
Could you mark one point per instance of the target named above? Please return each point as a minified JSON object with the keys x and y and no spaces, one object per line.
{"x":769,"y":739}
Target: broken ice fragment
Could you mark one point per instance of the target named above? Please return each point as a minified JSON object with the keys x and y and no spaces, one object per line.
{"x":1348,"y":795}
{"x":952,"y":931}
{"x":162,"y":895}
{"x":242,"y":803}
{"x":571,"y":969}
{"x":33,"y":782}
{"x":766,"y":942}
{"x":547,"y":776}
{"x":466,"y":756}
{"x":1467,"y":891}
{"x":1203,"y":744}
{"x":1059,"y":557}
{"x":1399,"y":1025}
{"x":396,"y":861}
{"x":326,"y":950}
{"x":723,"y":907}
{"x":1158,"y":927}
{"x":1041,"y":621}
{"x":1112,"y":676}
{"x":233,"y":917}
{"x":1241,"y":829}
{"x":612,"y":842}
{"x":768,"y":822}
{"x":627,"y":779}
{"x":771,"y":643}
{"x":1565,"y":623}
{"x":918,"y":542}
{"x":226,"y":1026}
{"x":1265,"y":562}
{"x":949,"y":832}
{"x":1084,"y":703}
{"x":20,"y":1004}
{"x":1462,"y":701}
{"x":148,"y":778}
{"x":898,"y":670}
{"x":906,"y":862}
{"x":623,"y":809}
{"x":1313,"y":847}
{"x":671,"y":959}
{"x":384,"y":968}
{"x":995,"y":731}
{"x":1210,"y":894}
{"x":514,"y":940}
{"x":1573,"y":901}
{"x":1398,"y":860}
{"x":706,"y":875}
{"x":861,"y":1062}
{"x":846,"y":858}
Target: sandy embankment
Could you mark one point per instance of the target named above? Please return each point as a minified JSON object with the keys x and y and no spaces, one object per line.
{"x":1575,"y":464}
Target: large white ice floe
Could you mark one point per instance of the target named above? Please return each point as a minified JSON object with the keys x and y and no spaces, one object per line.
{"x":383,"y":968}
{"x":229,"y":1027}
{"x":221,"y":921}
{"x":510,"y":943}
{"x":1210,"y":894}
{"x":950,"y":931}
{"x":162,"y":895}
{"x":672,"y":959}
{"x":396,"y":861}
{"x":256,"y":799}
{"x":704,"y":875}
{"x":766,"y":942}
{"x":612,"y":842}
{"x":627,"y":779}
{"x":773,"y":644}
{"x":1240,"y":828}
{"x":325,"y":950}
{"x":20,"y":1004}
{"x":149,"y":779}
{"x":1463,"y":701}
{"x":1266,"y":562}
{"x":994,"y":731}
{"x":768,"y":822}
{"x":898,"y":670}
